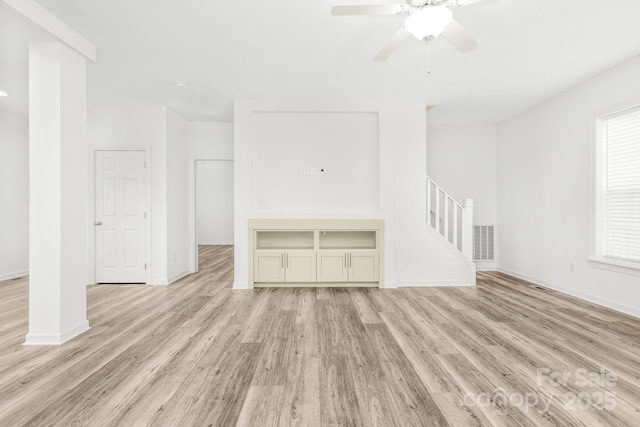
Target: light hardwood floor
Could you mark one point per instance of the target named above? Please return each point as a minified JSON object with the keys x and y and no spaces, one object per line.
{"x":198,"y":353}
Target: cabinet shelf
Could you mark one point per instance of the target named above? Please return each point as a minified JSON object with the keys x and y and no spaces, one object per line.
{"x":284,"y":240}
{"x":357,"y":239}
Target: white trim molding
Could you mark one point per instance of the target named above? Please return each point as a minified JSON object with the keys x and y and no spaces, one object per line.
{"x":215,"y":243}
{"x":435,"y":284}
{"x":193,"y":238}
{"x":596,"y":178}
{"x":602,"y":302}
{"x":178,"y":277}
{"x":56,"y":339}
{"x":446,"y":244}
{"x":91,"y":249}
{"x":14,"y":275}
{"x":486,"y":265}
{"x":616,"y":266}
{"x":241,"y":286}
{"x":49,"y":22}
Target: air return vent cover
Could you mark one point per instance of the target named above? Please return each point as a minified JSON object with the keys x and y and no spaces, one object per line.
{"x":484,"y":243}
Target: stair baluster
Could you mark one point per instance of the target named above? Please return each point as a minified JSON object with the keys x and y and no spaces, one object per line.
{"x":450,"y":219}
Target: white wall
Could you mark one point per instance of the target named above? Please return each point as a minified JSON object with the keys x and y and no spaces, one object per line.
{"x":214,"y":202}
{"x":338,"y":151}
{"x":211,"y":148}
{"x":461,"y":158}
{"x":141,"y":126}
{"x":14,"y":195}
{"x":422,"y":258}
{"x":544,"y":191}
{"x":177,"y":196}
{"x":413,"y":255}
{"x":213,"y":139}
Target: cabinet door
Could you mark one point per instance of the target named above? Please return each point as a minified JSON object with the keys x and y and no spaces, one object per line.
{"x":363,"y":266}
{"x":268,"y":266}
{"x":332,"y":266}
{"x":300,"y":266}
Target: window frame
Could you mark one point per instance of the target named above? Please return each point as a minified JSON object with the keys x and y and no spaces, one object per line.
{"x":596,"y":257}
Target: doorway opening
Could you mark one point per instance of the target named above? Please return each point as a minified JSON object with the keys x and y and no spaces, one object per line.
{"x":213,"y":205}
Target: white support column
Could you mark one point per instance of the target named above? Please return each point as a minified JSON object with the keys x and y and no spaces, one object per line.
{"x":58,"y":175}
{"x":467,"y":226}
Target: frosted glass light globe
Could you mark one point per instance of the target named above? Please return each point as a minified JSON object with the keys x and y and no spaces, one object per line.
{"x":428,"y":22}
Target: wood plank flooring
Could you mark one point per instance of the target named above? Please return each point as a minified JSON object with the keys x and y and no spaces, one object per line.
{"x":197,"y":353}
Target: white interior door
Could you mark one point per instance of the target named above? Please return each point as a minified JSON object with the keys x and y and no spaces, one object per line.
{"x":120,"y":217}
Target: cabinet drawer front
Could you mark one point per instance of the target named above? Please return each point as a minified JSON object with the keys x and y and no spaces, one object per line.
{"x":268,"y":267}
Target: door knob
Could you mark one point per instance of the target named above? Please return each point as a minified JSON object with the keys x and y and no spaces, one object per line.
{"x":97,"y":223}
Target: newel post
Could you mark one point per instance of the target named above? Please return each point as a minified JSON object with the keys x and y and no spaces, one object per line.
{"x":467,"y":226}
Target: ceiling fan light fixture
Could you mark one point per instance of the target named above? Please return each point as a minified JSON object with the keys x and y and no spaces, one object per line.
{"x":428,"y":22}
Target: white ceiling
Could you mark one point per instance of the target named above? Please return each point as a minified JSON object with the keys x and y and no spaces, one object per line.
{"x":15,"y":34}
{"x":295,"y":50}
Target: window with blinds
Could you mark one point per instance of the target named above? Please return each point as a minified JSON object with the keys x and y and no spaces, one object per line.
{"x":620,"y":201}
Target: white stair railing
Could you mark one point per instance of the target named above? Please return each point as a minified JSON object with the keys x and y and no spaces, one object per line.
{"x":452,"y":220}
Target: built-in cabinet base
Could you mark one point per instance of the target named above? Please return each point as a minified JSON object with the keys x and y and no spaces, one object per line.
{"x":316,"y":252}
{"x":317,"y":285}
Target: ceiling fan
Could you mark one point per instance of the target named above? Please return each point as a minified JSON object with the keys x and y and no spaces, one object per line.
{"x":427,"y":20}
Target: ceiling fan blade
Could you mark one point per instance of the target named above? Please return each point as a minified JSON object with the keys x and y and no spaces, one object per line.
{"x":459,"y":37}
{"x":374,"y":9}
{"x":391,"y":45}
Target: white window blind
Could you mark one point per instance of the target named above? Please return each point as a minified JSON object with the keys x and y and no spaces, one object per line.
{"x":621,"y":192}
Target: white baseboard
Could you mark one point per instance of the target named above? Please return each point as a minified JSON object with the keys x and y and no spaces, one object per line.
{"x":429,"y":284}
{"x":240,"y":285}
{"x":486,"y":266}
{"x":15,"y":275}
{"x":216,"y":244}
{"x":159,"y":282}
{"x":595,"y":300}
{"x":57,"y":339}
{"x":178,"y":277}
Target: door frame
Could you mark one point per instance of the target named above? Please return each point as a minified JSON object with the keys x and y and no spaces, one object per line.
{"x":193,"y":232}
{"x":91,"y":241}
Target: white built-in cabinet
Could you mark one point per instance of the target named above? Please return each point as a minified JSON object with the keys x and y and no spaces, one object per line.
{"x":318,"y":252}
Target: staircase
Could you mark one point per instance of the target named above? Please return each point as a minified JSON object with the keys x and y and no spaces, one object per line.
{"x":451,"y":220}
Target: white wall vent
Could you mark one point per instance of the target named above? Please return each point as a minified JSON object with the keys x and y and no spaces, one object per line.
{"x":484,"y":243}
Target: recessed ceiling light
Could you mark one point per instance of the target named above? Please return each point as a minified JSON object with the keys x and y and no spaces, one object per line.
{"x":3,"y":93}
{"x":181,"y":84}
